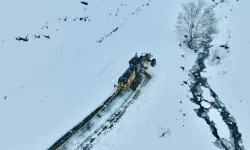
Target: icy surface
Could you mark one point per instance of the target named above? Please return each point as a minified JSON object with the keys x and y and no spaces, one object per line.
{"x":206,"y":94}
{"x":230,"y":78}
{"x":220,"y":125}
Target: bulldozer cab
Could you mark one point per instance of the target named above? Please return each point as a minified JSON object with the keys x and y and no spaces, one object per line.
{"x":137,"y":65}
{"x":134,"y":64}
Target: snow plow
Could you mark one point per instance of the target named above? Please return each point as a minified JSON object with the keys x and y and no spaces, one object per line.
{"x":132,"y":76}
{"x":83,"y":135}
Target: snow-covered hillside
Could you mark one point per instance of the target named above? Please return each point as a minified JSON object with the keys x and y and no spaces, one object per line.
{"x":59,"y":61}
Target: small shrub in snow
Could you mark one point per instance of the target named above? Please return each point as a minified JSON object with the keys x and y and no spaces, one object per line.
{"x":216,"y":56}
{"x":197,"y":23}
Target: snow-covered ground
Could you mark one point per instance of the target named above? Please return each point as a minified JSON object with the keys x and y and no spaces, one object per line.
{"x":229,"y":77}
{"x":50,"y":84}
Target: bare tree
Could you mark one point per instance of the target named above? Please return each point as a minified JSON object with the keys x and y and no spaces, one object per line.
{"x":197,"y":23}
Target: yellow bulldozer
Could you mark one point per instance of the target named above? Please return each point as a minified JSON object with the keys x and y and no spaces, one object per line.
{"x":132,"y":76}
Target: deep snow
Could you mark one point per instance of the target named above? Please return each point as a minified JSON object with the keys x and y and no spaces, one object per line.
{"x":49,"y":85}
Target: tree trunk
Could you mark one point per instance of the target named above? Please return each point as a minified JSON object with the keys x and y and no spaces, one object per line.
{"x":190,"y":44}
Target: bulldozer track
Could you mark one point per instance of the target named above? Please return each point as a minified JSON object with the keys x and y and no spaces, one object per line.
{"x":69,"y":135}
{"x":80,"y":126}
{"x":109,"y":124}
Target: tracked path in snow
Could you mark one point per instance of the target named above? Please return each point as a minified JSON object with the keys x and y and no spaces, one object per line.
{"x":109,"y":124}
{"x":197,"y":81}
{"x":88,"y":132}
{"x":82,"y":126}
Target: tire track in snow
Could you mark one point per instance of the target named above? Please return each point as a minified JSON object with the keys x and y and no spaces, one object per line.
{"x":197,"y":82}
{"x":109,"y":124}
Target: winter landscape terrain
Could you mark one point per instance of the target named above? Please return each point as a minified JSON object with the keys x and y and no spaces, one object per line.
{"x":59,"y":61}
